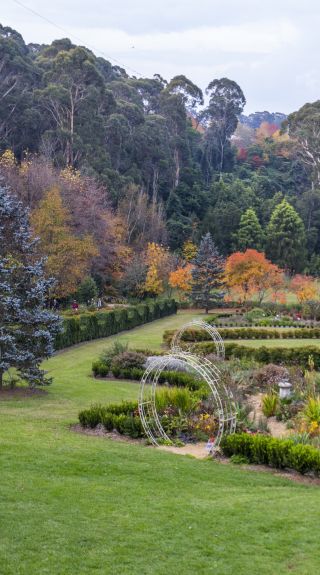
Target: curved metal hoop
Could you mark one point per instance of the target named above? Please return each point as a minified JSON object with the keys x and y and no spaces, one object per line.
{"x":221,"y":398}
{"x":210,"y":329}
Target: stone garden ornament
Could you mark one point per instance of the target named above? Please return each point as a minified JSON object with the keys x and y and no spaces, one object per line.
{"x":221,"y":399}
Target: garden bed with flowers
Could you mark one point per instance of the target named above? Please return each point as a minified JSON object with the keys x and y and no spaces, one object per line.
{"x":184,"y":407}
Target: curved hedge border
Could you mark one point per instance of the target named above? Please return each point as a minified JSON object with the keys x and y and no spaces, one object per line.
{"x":279,"y":453}
{"x":196,"y":335}
{"x":173,"y":378}
{"x":103,"y":324}
{"x":278,"y":355}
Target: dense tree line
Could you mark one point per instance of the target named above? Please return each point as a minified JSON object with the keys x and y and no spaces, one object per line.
{"x":125,"y":162}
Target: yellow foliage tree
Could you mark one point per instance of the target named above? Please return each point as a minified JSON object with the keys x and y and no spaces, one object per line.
{"x":157,"y":260}
{"x":68,"y":256}
{"x":7,"y":159}
{"x":153,"y":283}
{"x":305,"y":287}
{"x":189,"y":250}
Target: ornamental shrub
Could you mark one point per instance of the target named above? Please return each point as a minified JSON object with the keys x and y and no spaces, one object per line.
{"x":100,"y":368}
{"x":279,"y":453}
{"x":269,"y":404}
{"x":128,"y":360}
{"x":269,"y":375}
{"x":122,"y":417}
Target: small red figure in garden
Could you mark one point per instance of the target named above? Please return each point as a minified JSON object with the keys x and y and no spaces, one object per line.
{"x":75,"y":306}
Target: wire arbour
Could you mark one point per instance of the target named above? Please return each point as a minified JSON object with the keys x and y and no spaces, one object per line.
{"x":210,"y":329}
{"x":220,"y":398}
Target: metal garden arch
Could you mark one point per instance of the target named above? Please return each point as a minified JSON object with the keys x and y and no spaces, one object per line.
{"x":221,"y":398}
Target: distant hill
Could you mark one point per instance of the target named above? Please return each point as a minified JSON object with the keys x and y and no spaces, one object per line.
{"x":255,"y":120}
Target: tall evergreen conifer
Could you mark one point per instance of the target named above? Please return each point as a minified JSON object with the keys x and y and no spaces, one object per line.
{"x":27,"y":328}
{"x":250,"y":234}
{"x":207,"y":275}
{"x":286,"y":238}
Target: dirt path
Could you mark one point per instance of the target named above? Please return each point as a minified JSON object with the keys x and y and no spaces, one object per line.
{"x":277,"y":428}
{"x":197,"y":450}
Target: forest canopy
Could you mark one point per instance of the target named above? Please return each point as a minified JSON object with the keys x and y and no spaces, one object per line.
{"x":127,"y":162}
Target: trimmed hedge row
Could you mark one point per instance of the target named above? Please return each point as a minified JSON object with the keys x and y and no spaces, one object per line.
{"x":122,"y":417}
{"x":279,"y":453}
{"x":172,"y":378}
{"x":277,"y":355}
{"x":246,"y":333}
{"x":103,"y":324}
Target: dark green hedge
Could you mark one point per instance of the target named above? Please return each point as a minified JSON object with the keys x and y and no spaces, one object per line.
{"x":279,"y":453}
{"x":174,"y":378}
{"x":247,"y":333}
{"x":278,"y":355}
{"x":103,"y":324}
{"x":122,"y":417}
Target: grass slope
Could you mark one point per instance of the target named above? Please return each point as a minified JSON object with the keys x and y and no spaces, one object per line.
{"x":76,"y":505}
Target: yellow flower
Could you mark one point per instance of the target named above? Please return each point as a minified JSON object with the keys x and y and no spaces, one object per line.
{"x":314,"y":428}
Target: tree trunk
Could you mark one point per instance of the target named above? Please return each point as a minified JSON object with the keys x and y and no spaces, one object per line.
{"x":177,"y":166}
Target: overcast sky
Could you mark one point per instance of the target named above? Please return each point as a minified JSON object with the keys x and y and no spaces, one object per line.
{"x":270,"y":48}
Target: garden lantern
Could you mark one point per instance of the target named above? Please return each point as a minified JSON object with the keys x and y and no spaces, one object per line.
{"x":284,"y":389}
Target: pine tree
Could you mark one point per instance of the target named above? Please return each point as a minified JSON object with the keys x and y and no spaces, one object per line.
{"x":87,"y":290}
{"x":207,"y":275}
{"x":250,"y":233}
{"x":286,"y":238}
{"x":27,"y":328}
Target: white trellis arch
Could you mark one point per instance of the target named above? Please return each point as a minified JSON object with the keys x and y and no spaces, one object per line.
{"x":221,"y":398}
{"x":210,"y":329}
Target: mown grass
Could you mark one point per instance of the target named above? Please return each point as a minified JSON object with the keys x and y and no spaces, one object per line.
{"x":71,"y":504}
{"x":277,"y":342}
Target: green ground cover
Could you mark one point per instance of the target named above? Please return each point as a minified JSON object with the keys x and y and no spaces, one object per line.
{"x":71,"y":504}
{"x":276,"y":342}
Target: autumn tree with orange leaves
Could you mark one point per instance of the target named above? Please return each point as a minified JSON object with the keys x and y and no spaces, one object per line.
{"x":305,"y":288}
{"x":68,"y":257}
{"x":181,"y":278}
{"x":250,"y":274}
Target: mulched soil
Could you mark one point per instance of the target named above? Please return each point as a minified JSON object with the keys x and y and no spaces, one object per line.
{"x":99,"y":431}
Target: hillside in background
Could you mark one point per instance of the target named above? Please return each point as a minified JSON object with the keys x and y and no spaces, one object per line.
{"x":257,"y":118}
{"x":140,"y":160}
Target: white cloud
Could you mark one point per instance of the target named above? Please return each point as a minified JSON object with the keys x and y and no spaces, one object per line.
{"x":253,"y":38}
{"x":271,"y":48}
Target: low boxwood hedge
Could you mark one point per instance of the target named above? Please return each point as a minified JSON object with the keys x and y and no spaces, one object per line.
{"x":172,"y":378}
{"x":122,"y":417}
{"x":103,"y":324}
{"x":277,"y":355}
{"x":278,"y":453}
{"x":195,"y":335}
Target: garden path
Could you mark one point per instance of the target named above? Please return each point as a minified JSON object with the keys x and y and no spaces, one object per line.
{"x":277,"y":428}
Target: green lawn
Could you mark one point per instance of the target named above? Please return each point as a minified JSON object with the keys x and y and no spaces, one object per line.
{"x":76,"y":505}
{"x":276,"y":342}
